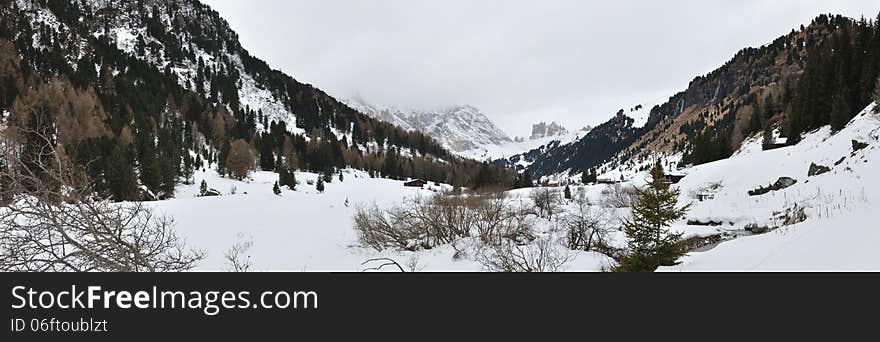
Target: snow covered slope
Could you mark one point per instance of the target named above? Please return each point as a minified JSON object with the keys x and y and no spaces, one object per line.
{"x":300,"y":230}
{"x":458,"y":128}
{"x":304,"y":230}
{"x":840,"y":231}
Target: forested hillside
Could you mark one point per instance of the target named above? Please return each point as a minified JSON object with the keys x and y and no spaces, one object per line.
{"x":816,"y":75}
{"x":142,"y":93}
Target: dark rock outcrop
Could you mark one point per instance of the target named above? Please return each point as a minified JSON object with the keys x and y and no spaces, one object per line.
{"x":816,"y":170}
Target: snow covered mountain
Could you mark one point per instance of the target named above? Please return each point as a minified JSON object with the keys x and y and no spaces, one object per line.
{"x":467,"y":132}
{"x":589,"y":146}
{"x":462,"y":129}
{"x":520,"y":146}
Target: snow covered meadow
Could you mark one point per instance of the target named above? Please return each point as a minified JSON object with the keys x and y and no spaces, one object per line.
{"x":823,"y":222}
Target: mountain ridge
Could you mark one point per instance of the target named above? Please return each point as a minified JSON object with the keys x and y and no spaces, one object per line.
{"x":757,"y":90}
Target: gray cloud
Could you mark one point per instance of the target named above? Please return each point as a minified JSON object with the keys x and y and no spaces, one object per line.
{"x":575,"y":62}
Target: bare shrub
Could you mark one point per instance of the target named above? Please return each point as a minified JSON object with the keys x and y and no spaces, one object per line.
{"x":379,"y":229}
{"x":587,"y":225}
{"x":546,"y":202}
{"x":619,"y":196}
{"x":52,"y":223}
{"x":423,"y":223}
{"x":238,"y":258}
{"x":540,"y":256}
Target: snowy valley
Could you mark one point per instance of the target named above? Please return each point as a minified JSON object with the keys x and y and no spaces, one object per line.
{"x":822,"y":222}
{"x":115,"y":111}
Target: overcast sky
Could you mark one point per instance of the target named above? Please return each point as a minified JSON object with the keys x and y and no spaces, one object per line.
{"x":575,"y":62}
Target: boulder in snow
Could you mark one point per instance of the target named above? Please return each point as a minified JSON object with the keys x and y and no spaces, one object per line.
{"x":781,"y":183}
{"x":816,"y":170}
{"x":858,"y":146}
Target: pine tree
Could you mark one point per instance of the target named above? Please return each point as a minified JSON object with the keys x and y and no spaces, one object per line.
{"x":567,"y":192}
{"x":276,"y":189}
{"x":320,"y":185}
{"x":650,"y":243}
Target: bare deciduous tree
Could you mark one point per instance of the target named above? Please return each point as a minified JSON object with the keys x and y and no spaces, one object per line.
{"x":52,"y":223}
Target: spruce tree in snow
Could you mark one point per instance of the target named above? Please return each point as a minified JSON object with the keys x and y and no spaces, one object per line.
{"x":286,"y":178}
{"x":341,"y":178}
{"x":276,"y":189}
{"x":650,"y":243}
{"x":567,"y":192}
{"x":320,"y":185}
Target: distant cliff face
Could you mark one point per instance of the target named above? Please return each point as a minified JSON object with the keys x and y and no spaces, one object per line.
{"x":542,"y":130}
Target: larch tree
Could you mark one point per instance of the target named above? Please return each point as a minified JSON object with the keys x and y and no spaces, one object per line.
{"x":241,"y":159}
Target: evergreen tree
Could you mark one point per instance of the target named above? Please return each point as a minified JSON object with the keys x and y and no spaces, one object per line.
{"x":527,"y":181}
{"x":757,"y":118}
{"x":767,"y":142}
{"x":650,"y":243}
{"x":567,"y":192}
{"x":341,"y":177}
{"x":589,"y":176}
{"x":320,"y":185}
{"x":877,"y":93}
{"x":122,"y":182}
{"x":267,"y":160}
{"x":276,"y":189}
{"x":286,"y":178}
{"x":840,"y":113}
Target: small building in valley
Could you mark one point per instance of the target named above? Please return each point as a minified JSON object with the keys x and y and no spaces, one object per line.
{"x":416,"y":183}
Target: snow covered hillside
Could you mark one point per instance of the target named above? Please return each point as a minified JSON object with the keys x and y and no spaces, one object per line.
{"x":840,"y":231}
{"x":300,"y":230}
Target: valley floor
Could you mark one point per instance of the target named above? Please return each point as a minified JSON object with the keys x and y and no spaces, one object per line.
{"x":305,"y":230}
